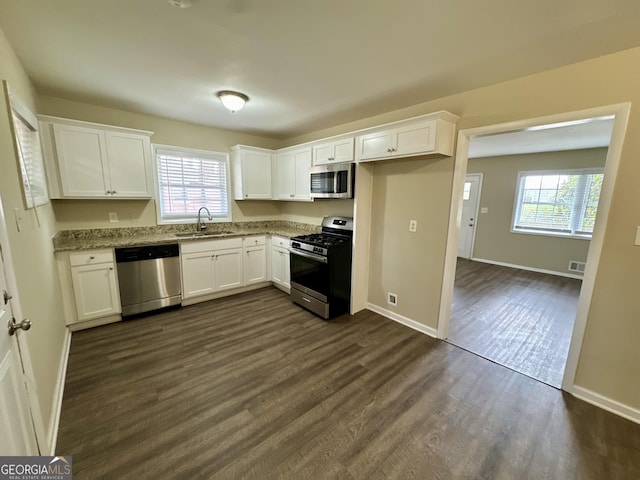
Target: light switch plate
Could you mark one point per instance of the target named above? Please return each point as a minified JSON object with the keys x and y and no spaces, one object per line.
{"x":637,"y":242}
{"x":484,"y":210}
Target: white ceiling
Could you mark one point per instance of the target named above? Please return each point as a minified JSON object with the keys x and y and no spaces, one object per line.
{"x":305,"y":64}
{"x":593,"y":134}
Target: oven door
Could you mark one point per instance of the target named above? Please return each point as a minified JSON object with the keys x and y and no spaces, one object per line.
{"x":310,"y":274}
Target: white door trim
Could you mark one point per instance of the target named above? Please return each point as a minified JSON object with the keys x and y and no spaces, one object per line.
{"x":621,"y":112}
{"x":10,"y":274}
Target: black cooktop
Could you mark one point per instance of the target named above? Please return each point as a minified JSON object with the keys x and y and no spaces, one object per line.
{"x":321,"y":239}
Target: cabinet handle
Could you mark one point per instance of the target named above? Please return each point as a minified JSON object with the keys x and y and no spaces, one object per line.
{"x":291,"y":195}
{"x":113,"y":192}
{"x":110,"y":268}
{"x":92,"y":257}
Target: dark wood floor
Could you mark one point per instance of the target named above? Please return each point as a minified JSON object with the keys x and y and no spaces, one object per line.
{"x":252,"y":386}
{"x":522,"y":320}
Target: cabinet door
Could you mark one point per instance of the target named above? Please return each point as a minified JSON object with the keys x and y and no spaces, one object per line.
{"x":129,"y":162}
{"x":375,"y":145}
{"x":416,"y":139}
{"x":197,"y":274}
{"x":286,"y":270}
{"x":322,"y":154}
{"x":302,"y":180}
{"x":95,"y":290}
{"x":256,"y":175}
{"x":255,"y":265}
{"x":228,"y":269}
{"x":82,"y":160}
{"x":277,"y":266}
{"x":285,"y":176}
{"x":343,"y":150}
{"x":280,"y":270}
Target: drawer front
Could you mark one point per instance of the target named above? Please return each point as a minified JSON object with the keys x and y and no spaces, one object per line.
{"x":280,"y":242}
{"x":255,"y":241}
{"x":194,"y":246}
{"x":90,"y":258}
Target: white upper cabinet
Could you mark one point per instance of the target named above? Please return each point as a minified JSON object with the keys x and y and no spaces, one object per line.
{"x":292,"y":175}
{"x":336,"y":151}
{"x":252,"y":173}
{"x":427,"y":135}
{"x":86,"y":160}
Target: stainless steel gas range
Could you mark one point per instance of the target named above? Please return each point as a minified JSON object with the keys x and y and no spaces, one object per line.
{"x":321,"y":268}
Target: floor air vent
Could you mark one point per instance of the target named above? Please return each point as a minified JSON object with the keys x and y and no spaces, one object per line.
{"x":575,"y":266}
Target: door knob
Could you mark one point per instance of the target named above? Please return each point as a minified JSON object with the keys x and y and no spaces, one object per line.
{"x":23,"y":325}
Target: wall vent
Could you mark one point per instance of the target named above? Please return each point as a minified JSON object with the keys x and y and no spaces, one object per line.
{"x":575,"y":266}
{"x":392,"y":299}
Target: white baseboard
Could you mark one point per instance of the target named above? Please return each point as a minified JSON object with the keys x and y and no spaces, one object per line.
{"x":54,"y":422}
{"x":432,"y":332}
{"x":530,"y":269}
{"x":605,"y":403}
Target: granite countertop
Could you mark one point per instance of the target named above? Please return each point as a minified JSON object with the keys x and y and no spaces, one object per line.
{"x":89,"y":239}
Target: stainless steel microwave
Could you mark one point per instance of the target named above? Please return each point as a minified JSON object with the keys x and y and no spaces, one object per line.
{"x":332,"y":181}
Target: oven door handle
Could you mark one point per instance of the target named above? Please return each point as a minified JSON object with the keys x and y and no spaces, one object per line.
{"x":312,"y":256}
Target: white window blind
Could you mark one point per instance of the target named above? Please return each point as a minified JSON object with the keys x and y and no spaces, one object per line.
{"x":562,"y":202}
{"x":191,"y":179}
{"x":29,"y":152}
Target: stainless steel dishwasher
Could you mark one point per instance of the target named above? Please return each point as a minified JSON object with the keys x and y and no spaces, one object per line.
{"x":149,"y":277}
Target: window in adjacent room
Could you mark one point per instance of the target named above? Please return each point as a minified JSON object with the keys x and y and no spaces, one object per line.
{"x":560,"y":202}
{"x":189,"y":179}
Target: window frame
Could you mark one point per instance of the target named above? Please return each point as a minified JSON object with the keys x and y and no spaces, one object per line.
{"x":191,"y":218}
{"x":518,"y":202}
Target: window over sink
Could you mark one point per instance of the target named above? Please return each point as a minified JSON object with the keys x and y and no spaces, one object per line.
{"x":188,"y":179}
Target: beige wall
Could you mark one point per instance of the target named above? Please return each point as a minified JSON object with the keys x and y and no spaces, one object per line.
{"x":494,"y":239}
{"x":610,"y":358}
{"x":31,"y":249}
{"x":401,"y":262}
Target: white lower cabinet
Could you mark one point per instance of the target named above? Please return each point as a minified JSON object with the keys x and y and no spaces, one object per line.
{"x":210,"y":266}
{"x":255,"y":260}
{"x":95,"y":286}
{"x":228,"y":269}
{"x":280,"y":270}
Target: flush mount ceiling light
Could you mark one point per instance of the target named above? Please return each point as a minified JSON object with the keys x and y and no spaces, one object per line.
{"x":233,"y":101}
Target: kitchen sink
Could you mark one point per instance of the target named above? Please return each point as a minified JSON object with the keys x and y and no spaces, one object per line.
{"x":202,"y":234}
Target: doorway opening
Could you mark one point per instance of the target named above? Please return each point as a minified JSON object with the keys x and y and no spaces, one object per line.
{"x":510,"y":296}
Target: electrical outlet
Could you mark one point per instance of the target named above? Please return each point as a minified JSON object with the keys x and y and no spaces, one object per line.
{"x":113,"y":217}
{"x":392,"y":299}
{"x":413,"y":225}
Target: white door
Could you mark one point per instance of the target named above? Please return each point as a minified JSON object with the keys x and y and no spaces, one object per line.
{"x":470,"y":198}
{"x":18,"y":436}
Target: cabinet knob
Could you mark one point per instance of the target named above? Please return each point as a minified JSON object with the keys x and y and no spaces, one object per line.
{"x":113,"y":192}
{"x":389,"y":150}
{"x":110,"y":268}
{"x":291,"y":195}
{"x":92,"y":257}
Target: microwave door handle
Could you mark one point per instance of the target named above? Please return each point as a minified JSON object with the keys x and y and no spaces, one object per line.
{"x":335,"y":182}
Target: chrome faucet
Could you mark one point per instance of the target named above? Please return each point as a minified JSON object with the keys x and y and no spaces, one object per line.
{"x":202,"y":226}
